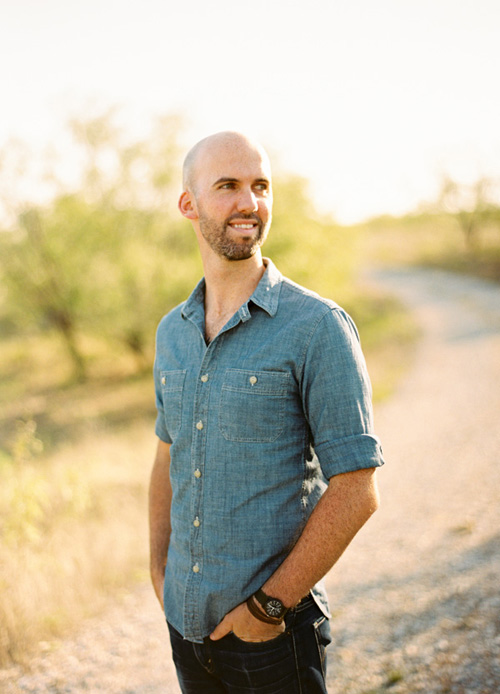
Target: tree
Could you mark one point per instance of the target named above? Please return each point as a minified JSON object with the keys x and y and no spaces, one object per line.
{"x":44,"y":279}
{"x":107,"y":258}
{"x":472,"y":205}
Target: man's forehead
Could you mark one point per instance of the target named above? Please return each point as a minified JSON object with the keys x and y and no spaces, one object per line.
{"x":234,"y":161}
{"x":230,"y":155}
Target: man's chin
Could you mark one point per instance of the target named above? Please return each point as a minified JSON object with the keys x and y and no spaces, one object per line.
{"x":241,"y":255}
{"x":241,"y":251}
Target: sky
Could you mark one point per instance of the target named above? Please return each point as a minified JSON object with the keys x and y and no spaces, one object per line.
{"x":372,"y":102}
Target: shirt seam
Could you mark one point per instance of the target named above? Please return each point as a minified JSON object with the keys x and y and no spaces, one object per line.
{"x":330,"y":309}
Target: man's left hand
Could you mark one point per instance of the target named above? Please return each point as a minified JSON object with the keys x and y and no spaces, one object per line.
{"x":246,"y":627}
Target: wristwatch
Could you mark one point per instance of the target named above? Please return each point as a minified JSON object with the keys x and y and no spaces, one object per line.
{"x":273,"y":607}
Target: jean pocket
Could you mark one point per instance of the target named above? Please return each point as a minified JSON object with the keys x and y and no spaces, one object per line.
{"x":268,"y":666}
{"x":259,"y":645}
{"x":172,"y":386}
{"x":252,"y":405}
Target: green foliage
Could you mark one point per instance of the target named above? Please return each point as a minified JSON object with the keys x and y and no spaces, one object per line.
{"x":315,"y":253}
{"x":109,"y":259}
{"x":473,"y":206}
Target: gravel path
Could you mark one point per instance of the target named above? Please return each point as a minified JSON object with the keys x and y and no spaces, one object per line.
{"x":416,"y":596}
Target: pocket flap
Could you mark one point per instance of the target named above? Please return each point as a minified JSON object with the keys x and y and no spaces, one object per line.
{"x":172,"y":380}
{"x":257,"y":382}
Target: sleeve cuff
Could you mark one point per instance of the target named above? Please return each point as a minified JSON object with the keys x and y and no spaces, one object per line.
{"x":160,"y":429}
{"x":350,"y":454}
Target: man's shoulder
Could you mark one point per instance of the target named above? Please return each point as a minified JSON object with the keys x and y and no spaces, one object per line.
{"x":303,"y":298}
{"x":309,"y":312}
{"x":172,"y":317}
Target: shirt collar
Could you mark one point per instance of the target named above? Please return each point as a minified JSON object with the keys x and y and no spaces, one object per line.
{"x":266,"y":294}
{"x":195,"y":304}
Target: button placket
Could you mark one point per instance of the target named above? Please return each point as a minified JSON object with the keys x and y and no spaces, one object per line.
{"x":200,"y":417}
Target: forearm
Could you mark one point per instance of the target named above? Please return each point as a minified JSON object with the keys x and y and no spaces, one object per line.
{"x":160,"y":499}
{"x":346,"y":505}
{"x":342,"y":510}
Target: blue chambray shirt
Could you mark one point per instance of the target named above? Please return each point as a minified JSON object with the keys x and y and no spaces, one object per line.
{"x":284,"y":379}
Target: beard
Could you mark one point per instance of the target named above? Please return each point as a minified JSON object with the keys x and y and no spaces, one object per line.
{"x":219,"y":237}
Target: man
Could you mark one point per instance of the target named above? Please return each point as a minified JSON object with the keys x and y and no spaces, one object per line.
{"x":266,"y":456}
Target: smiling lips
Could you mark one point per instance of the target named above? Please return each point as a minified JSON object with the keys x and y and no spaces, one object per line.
{"x":243,"y":226}
{"x":247,"y":225}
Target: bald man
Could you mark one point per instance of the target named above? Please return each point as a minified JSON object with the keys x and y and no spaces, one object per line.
{"x":266,"y":457}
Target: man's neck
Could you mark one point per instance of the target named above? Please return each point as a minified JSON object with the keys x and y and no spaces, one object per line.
{"x":229,"y":283}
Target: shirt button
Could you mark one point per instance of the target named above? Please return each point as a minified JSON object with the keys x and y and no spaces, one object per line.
{"x":204,"y":378}
{"x":253,"y":380}
{"x":197,"y":473}
{"x":163,"y":380}
{"x":199,"y":426}
{"x":196,"y":569}
{"x":196,"y":522}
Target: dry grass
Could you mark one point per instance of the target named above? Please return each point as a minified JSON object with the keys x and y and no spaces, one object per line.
{"x":74,"y":530}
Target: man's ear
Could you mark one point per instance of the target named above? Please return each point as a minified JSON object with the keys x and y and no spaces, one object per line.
{"x":187,"y":206}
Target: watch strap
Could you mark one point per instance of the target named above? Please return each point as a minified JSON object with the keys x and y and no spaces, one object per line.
{"x":258,"y":614}
{"x":264,"y":599}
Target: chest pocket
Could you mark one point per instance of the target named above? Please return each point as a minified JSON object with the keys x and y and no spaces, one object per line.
{"x":172,"y":385}
{"x":252,"y":405}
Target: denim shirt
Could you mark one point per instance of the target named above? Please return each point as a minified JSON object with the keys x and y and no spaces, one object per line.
{"x":259,"y":420}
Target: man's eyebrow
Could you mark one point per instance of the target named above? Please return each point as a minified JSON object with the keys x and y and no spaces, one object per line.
{"x":226,"y":179}
{"x":230,"y":179}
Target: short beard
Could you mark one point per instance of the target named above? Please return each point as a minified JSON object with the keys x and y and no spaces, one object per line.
{"x":219,"y":240}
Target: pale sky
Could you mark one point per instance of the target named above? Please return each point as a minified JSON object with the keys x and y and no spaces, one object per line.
{"x":371,"y":100}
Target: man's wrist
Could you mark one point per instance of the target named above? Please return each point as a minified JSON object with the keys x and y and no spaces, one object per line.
{"x":256,"y":611}
{"x":271,"y":607}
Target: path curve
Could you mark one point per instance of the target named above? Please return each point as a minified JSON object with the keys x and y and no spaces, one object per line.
{"x":415,"y":598}
{"x":416,"y":594}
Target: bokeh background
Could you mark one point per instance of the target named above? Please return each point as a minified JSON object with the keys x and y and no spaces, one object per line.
{"x":382,"y":123}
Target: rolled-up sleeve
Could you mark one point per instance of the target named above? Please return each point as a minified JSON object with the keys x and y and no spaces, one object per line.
{"x":336,"y":394}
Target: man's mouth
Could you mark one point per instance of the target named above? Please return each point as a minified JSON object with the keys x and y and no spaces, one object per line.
{"x":244,"y":226}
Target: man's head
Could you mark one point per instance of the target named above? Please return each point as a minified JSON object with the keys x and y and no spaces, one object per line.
{"x":227,"y":194}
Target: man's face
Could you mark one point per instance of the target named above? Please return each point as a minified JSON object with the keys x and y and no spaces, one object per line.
{"x":233,"y":199}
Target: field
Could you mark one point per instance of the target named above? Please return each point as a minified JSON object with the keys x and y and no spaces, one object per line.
{"x":75,"y":453}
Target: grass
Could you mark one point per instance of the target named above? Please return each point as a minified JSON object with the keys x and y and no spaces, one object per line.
{"x":74,"y":463}
{"x":388,"y":337}
{"x":434,"y":240}
{"x":73,"y":531}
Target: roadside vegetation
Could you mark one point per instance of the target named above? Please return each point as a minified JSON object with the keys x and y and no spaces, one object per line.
{"x":459,"y":232}
{"x":85,"y":277}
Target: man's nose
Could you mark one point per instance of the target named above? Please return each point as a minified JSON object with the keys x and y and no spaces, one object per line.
{"x":247,"y":201}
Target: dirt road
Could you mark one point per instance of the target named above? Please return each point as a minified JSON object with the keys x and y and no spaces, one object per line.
{"x":416,"y":596}
{"x":417,"y":593}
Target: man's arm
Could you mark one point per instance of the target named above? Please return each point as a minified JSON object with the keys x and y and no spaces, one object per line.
{"x":344,"y":508}
{"x":160,"y":499}
{"x":349,"y":501}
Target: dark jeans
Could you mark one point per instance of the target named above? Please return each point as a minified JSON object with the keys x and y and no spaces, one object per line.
{"x":292,"y":663}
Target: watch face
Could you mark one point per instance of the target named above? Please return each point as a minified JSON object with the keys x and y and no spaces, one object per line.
{"x":274,"y":607}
